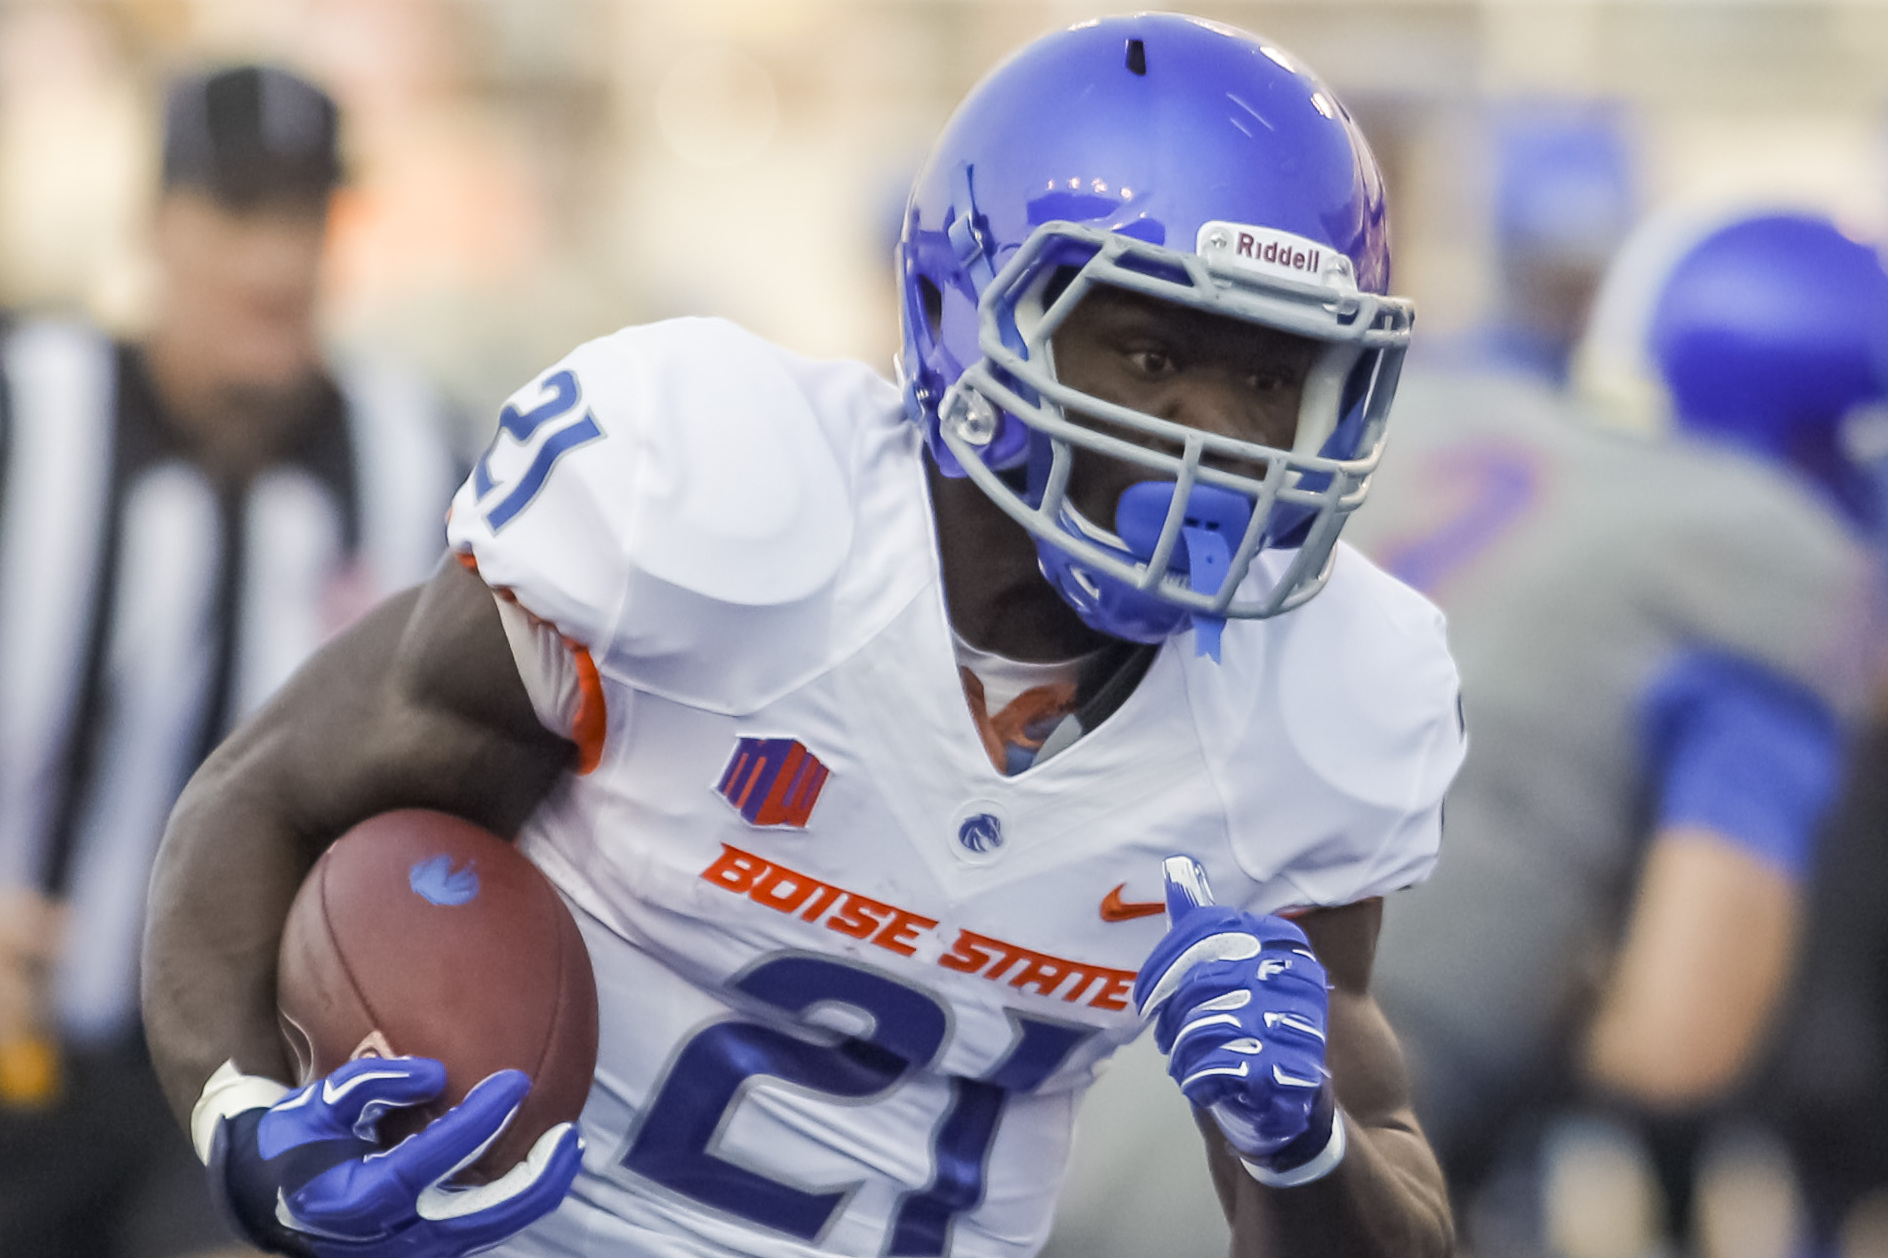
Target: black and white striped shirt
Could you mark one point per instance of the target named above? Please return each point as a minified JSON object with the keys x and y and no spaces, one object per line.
{"x":144,"y":609}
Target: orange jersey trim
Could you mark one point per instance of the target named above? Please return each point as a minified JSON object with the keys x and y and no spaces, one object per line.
{"x":589,"y":727}
{"x":592,"y":721}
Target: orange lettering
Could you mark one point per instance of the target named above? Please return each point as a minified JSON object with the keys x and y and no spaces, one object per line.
{"x":903,"y":927}
{"x":826,"y":894}
{"x":1114,"y":993}
{"x":798,"y":887}
{"x":1044,"y":973}
{"x":790,"y":891}
{"x":1009,"y":956}
{"x":1040,"y":972}
{"x":858,"y":916}
{"x":966,"y":955}
{"x":736,"y":870}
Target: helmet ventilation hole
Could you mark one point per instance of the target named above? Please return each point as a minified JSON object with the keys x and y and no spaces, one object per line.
{"x":933,"y":302}
{"x":1137,"y":57}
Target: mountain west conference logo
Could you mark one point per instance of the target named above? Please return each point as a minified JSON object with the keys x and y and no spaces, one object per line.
{"x":773,"y":781}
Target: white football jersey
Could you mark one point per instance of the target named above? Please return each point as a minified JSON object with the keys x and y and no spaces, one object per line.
{"x":853,"y":979}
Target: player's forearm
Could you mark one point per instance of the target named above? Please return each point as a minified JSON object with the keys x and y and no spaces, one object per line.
{"x":215,"y":922}
{"x":417,"y":706}
{"x":241,"y":838}
{"x":1386,"y":1198}
{"x":1705,"y":958}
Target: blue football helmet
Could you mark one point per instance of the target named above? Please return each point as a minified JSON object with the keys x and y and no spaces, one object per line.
{"x":1189,"y":162}
{"x":1765,"y":330}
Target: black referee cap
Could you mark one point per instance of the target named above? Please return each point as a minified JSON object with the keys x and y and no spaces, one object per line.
{"x":250,"y":136}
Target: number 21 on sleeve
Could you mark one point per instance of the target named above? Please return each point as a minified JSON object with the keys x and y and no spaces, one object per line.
{"x":561,"y":396}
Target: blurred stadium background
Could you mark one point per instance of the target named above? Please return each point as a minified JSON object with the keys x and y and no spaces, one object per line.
{"x":526,"y":173}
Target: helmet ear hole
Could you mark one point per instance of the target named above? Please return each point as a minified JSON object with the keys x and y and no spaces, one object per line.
{"x":933,"y":302}
{"x":1059,"y":281}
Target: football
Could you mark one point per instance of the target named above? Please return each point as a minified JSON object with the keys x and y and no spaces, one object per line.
{"x":421,"y":934}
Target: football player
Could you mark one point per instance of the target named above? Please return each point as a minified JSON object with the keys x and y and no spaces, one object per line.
{"x":1661,"y":634}
{"x":902,"y":752}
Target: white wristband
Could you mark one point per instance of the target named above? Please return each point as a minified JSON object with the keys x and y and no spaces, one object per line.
{"x":227,"y":1093}
{"x":1317,"y":1168}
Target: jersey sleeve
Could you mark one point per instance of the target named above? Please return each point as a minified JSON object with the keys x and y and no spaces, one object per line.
{"x":1738,"y":749}
{"x":1411,"y":845}
{"x":1371,"y":711}
{"x":679,"y":457}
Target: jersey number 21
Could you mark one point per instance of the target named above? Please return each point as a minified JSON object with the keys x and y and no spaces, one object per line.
{"x":707,"y":1078}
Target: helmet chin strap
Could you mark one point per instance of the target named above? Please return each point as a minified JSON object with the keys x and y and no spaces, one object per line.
{"x":1214,"y":522}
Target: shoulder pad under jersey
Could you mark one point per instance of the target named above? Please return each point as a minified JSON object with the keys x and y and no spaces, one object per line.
{"x":1348,"y":709}
{"x":681,"y":453}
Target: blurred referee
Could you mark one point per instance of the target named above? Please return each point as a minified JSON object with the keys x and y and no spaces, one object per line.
{"x":182,"y":520}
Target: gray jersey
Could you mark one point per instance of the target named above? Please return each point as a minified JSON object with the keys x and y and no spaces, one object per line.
{"x":1575,"y":564}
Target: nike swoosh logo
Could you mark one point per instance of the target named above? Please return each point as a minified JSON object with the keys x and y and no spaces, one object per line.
{"x":331,"y":1094}
{"x":1115,"y":909}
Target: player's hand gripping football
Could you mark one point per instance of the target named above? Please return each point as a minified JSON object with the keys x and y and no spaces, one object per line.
{"x":1241,"y":1005}
{"x":301,"y":1173}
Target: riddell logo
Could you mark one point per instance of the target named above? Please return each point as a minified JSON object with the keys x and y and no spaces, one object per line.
{"x":1266,"y":250}
{"x":1277,"y":252}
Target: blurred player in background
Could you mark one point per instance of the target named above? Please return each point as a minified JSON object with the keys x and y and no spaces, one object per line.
{"x":1824,"y":1089}
{"x":1563,"y":202}
{"x":858,"y":727}
{"x":1661,"y":637}
{"x":1661,"y":634}
{"x":182,"y":520}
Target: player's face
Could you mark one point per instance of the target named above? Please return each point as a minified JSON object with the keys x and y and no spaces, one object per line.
{"x":1206,"y":371}
{"x":234,"y":349}
{"x":240,"y":288}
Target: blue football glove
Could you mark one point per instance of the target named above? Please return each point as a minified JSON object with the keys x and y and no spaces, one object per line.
{"x":301,"y":1173}
{"x":1241,"y":1005}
